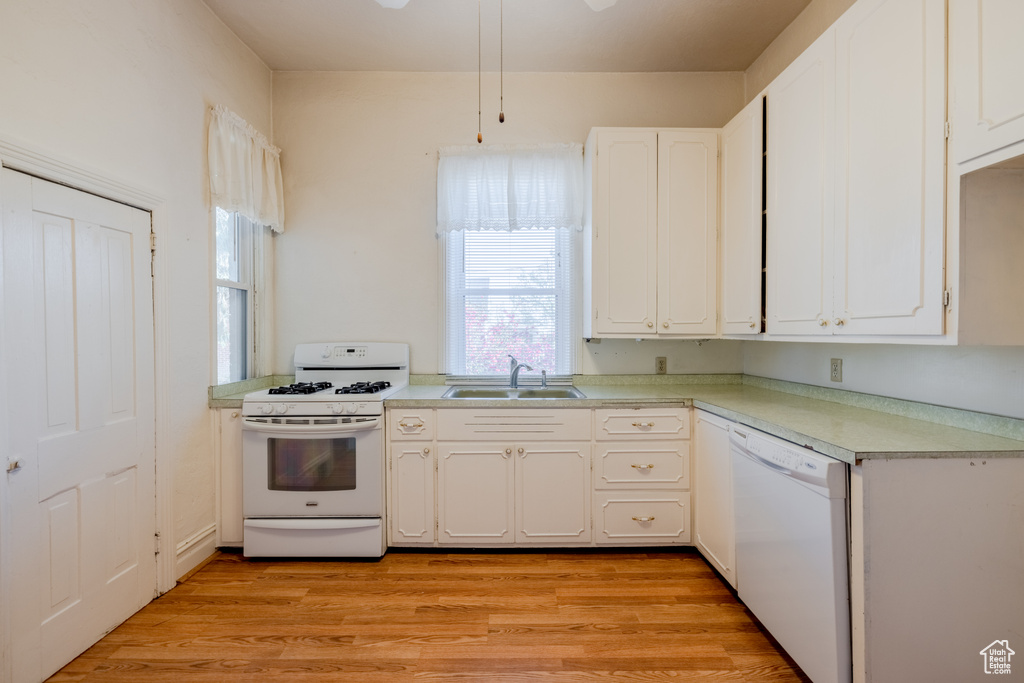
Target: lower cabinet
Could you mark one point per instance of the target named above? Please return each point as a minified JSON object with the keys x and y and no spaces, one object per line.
{"x":494,"y":477}
{"x":229,"y":474}
{"x":715,"y":536}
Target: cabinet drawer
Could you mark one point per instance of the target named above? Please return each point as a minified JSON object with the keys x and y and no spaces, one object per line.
{"x":513,"y":424}
{"x":643,"y":464}
{"x":414,"y":423}
{"x":641,"y":516}
{"x":642,"y":423}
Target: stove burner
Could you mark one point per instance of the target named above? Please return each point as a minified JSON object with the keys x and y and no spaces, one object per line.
{"x":363,"y":388}
{"x":302,"y":388}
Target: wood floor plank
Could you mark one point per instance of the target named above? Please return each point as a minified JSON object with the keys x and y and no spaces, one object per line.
{"x":552,"y":616}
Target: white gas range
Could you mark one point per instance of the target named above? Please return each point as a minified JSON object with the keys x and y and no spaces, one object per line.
{"x":313,"y":453}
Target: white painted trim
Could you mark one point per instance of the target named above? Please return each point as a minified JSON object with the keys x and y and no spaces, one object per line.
{"x":6,"y":673}
{"x":194,"y":550}
{"x":34,"y":161}
{"x":18,"y":155}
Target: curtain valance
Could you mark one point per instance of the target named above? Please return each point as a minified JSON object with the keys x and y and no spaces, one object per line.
{"x":245,"y":170}
{"x":510,"y":187}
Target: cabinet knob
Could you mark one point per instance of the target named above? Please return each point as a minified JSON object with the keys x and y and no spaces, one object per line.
{"x":665,"y":325}
{"x":643,"y":425}
{"x":234,"y":413}
{"x":520,"y":451}
{"x":839,"y":322}
{"x":426,"y":451}
{"x":823,"y":322}
{"x":644,"y":519}
{"x":650,"y":324}
{"x":752,"y":325}
{"x":508,"y":451}
{"x":643,"y":467}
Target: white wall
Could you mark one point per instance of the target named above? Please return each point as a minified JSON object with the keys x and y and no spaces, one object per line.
{"x":359,"y":259}
{"x":122,"y":87}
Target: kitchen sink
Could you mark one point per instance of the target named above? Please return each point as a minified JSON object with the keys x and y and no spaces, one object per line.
{"x":505,"y":393}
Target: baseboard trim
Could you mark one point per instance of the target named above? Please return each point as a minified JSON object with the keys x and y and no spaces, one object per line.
{"x":195,"y":550}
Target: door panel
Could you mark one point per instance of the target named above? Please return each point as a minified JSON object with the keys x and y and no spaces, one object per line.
{"x":890,"y":170}
{"x":687,"y":232}
{"x":79,"y":360}
{"x":801,"y":192}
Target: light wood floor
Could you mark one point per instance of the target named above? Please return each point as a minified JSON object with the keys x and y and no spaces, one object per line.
{"x":427,"y":616}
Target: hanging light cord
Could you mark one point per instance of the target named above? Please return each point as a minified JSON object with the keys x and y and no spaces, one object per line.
{"x":479,"y":76}
{"x":501,"y":108}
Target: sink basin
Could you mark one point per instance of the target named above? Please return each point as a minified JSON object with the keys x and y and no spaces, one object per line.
{"x":505,"y":393}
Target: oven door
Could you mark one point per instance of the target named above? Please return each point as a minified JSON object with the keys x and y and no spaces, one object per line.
{"x":312,"y":467}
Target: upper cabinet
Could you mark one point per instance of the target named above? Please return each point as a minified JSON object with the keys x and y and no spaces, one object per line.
{"x":856,"y":150}
{"x":740,"y":237}
{"x":801,"y":192}
{"x":651,"y":244}
{"x":987,"y":96}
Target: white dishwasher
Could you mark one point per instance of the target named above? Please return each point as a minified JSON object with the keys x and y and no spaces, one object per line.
{"x":791,"y":549}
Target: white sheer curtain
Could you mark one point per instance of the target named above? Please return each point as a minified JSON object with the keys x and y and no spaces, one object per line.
{"x":510,"y":187}
{"x":245,"y":170}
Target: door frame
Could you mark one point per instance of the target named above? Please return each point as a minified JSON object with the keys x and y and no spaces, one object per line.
{"x":18,"y":156}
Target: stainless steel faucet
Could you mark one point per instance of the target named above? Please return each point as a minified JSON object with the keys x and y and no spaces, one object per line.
{"x":513,"y":371}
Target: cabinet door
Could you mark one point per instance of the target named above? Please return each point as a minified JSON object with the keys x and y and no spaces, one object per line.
{"x":687,"y":232}
{"x":229,"y":524}
{"x":986,"y":57}
{"x":712,"y":505}
{"x":411,"y":503}
{"x":801,"y":140}
{"x":890,"y":166}
{"x":625,"y":223}
{"x":475,"y":486}
{"x":553,"y":493}
{"x":741,"y":238}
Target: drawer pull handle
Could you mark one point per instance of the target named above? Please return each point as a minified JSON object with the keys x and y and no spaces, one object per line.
{"x":644,"y":519}
{"x":410,"y":425}
{"x":643,"y":467}
{"x":642,"y":425}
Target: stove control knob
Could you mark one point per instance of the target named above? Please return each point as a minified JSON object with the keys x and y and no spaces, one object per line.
{"x":337,"y":408}
{"x":352,"y":407}
{"x":326,"y":353}
{"x":266,"y":408}
{"x":281,"y":409}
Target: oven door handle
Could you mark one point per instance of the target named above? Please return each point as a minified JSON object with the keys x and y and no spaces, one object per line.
{"x":363,"y":426}
{"x":313,"y":523}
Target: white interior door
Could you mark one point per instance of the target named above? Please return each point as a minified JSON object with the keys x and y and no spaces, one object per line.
{"x":78,"y":312}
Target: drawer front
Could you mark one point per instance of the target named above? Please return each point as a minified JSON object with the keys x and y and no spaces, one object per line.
{"x":642,"y":517}
{"x":642,"y":465}
{"x":513,"y":424}
{"x":416,"y":423}
{"x":642,"y":423}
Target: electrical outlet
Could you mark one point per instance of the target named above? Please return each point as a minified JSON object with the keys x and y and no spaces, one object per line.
{"x":661,"y":365}
{"x":835,"y":370}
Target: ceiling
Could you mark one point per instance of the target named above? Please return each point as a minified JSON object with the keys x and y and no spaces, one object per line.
{"x":538,"y":35}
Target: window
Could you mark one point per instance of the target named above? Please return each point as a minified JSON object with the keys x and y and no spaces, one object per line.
{"x":510,"y":293}
{"x":239,"y":242}
{"x":509,"y":219}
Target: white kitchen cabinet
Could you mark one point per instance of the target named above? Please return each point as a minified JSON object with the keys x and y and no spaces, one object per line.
{"x":641,"y":476}
{"x":651,"y":244}
{"x":552,"y":492}
{"x":229,"y":459}
{"x":741,"y":238}
{"x":890,"y":166}
{"x":801,"y":192}
{"x":855,"y":177}
{"x":987,"y":98}
{"x":411,"y":492}
{"x":475,"y":493}
{"x":715,"y":532}
{"x":513,"y":476}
